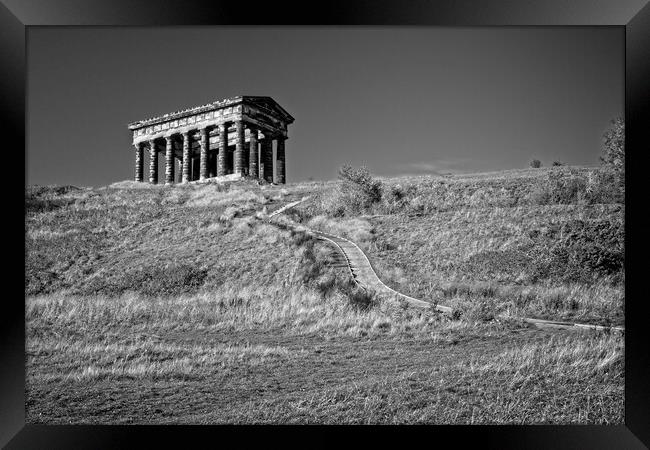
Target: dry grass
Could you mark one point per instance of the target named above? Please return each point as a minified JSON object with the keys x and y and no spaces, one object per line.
{"x":495,"y":253}
{"x":468,"y":240}
{"x":229,"y":307}
{"x":240,"y":357}
{"x":157,"y":304}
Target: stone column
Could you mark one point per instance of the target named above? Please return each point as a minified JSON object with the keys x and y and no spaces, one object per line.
{"x":239,"y":148}
{"x":280,"y":171}
{"x":204,"y":153}
{"x":153,"y":163}
{"x":186,"y":157}
{"x":139,"y":162}
{"x":169,"y":161}
{"x":252,"y":154}
{"x":211,"y":165}
{"x":222,"y":158}
{"x":245,"y":160}
{"x":266,"y":163}
{"x":196,"y":167}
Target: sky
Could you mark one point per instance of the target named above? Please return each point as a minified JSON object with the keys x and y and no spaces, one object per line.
{"x":399,"y":100}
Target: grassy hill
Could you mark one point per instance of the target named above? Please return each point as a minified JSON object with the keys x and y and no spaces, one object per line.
{"x":530,"y":242}
{"x":154,"y":304}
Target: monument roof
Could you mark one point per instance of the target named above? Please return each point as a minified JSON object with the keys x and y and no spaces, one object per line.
{"x":262,"y":102}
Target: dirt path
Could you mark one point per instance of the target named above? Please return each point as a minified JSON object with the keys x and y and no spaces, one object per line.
{"x":365,"y":276}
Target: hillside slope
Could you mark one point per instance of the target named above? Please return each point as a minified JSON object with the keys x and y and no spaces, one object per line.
{"x":529,"y":242}
{"x":154,"y":304}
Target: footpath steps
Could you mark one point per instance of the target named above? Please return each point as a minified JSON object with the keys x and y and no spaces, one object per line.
{"x":366,"y":277}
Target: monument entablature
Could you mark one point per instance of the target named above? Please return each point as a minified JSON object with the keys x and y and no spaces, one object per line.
{"x":230,"y":136}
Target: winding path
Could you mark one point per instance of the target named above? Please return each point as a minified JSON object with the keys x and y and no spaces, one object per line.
{"x":366,"y":277}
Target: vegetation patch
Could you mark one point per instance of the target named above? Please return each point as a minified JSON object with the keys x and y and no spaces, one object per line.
{"x":159,"y":304}
{"x":149,"y":281}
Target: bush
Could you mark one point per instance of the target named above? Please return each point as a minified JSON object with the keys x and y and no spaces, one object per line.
{"x":557,"y":164}
{"x":535,"y":164}
{"x":361,"y":298}
{"x":605,"y":186}
{"x":361,"y":181}
{"x":333,"y":203}
{"x":613,"y":160}
{"x":560,"y":188}
{"x":580,"y":251}
{"x":396,"y":198}
{"x":356,"y":192}
{"x":47,"y":198}
{"x":614,"y":146}
{"x":474,"y":307}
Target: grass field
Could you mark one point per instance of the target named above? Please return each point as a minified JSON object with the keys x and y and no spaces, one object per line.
{"x":153,"y":304}
{"x":484,"y":238}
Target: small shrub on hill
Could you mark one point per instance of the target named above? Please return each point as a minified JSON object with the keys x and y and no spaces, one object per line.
{"x":474,"y":303}
{"x":614,"y":146}
{"x":358,"y":182}
{"x":605,"y":185}
{"x":396,"y":198}
{"x":355,"y":194}
{"x":560,"y":187}
{"x":47,"y":198}
{"x":361,"y":298}
{"x":612,"y":174}
{"x":535,"y":164}
{"x":581,"y":251}
{"x":602,"y":185}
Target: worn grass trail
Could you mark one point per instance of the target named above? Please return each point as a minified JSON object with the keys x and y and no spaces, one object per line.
{"x":364,"y":275}
{"x":445,"y":378}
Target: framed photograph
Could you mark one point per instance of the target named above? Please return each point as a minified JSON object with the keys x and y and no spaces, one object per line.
{"x":423,"y":213}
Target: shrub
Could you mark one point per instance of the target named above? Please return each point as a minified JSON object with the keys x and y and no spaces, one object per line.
{"x":396,"y":198}
{"x":580,"y":251}
{"x":614,"y":146}
{"x":47,"y":198}
{"x":361,"y":298}
{"x":325,"y":284}
{"x":535,"y":164}
{"x":613,"y":159}
{"x":483,"y":310}
{"x":360,"y":180}
{"x":602,"y":185}
{"x":333,"y":203}
{"x":356,"y":192}
{"x":474,"y":308}
{"x":300,"y":238}
{"x":557,"y":164}
{"x":605,"y":185}
{"x":560,"y":188}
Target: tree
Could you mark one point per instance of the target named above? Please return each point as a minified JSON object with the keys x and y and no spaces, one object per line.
{"x":614,"y":146}
{"x":358,"y":190}
{"x":535,"y":164}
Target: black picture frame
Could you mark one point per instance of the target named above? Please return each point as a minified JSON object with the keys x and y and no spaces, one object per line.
{"x":16,"y":16}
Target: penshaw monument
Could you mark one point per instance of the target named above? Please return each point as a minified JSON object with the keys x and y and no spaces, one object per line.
{"x":231,"y":137}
